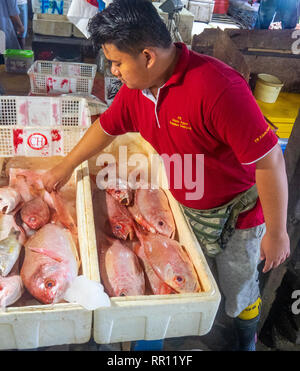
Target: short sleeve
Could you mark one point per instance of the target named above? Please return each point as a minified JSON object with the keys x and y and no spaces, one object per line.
{"x":12,"y":7}
{"x":117,"y":119}
{"x":237,"y":120}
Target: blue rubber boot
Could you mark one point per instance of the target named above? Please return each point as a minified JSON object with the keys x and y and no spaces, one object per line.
{"x":246,"y":333}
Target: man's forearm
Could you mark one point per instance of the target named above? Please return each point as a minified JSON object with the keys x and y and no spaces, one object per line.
{"x":272,"y":189}
{"x":94,"y":140}
{"x":16,"y":20}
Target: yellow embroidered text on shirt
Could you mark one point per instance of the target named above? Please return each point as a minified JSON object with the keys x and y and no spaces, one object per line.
{"x":178,"y":122}
{"x":261,"y":136}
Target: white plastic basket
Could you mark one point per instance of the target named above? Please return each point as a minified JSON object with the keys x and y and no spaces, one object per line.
{"x":48,"y":77}
{"x":41,"y":126}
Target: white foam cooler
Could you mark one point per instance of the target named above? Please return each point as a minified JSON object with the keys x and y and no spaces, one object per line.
{"x":34,"y":326}
{"x":153,"y":317}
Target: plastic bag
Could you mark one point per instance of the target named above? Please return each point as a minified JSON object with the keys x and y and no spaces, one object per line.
{"x":81,"y":11}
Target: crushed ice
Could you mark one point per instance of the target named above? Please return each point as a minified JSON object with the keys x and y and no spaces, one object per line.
{"x":89,"y":294}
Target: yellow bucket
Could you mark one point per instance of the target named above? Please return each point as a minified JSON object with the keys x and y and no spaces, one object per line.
{"x":267,"y":88}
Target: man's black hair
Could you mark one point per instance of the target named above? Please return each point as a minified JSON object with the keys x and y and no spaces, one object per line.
{"x":130,"y":25}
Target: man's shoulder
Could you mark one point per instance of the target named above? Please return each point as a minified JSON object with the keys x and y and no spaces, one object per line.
{"x":210,"y":69}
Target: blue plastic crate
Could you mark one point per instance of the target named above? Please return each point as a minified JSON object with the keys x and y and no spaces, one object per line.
{"x":283,"y":143}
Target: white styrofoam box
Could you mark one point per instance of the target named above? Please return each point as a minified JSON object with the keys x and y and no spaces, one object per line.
{"x":202,"y":10}
{"x":61,"y":121}
{"x":51,"y":6}
{"x":77,"y":33}
{"x":184,"y":21}
{"x":48,"y":77}
{"x":34,"y":326}
{"x":152,"y":317}
{"x":51,"y":24}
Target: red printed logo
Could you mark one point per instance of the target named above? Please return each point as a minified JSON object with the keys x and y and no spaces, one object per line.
{"x":93,"y":2}
{"x":37,"y":141}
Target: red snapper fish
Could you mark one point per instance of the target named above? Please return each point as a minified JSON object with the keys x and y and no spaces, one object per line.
{"x":51,"y":263}
{"x":120,"y":191}
{"x":35,"y":213}
{"x":119,"y":218}
{"x":120,"y":270}
{"x":118,"y":188}
{"x":39,"y":205}
{"x":152,"y":211}
{"x":157,"y":285}
{"x":9,"y":199}
{"x":28,"y":183}
{"x":170,"y":262}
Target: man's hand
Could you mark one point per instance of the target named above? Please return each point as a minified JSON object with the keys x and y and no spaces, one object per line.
{"x":272,"y":187}
{"x":275,"y":249}
{"x":20,"y":30}
{"x":57,"y":177}
{"x":93,"y":141}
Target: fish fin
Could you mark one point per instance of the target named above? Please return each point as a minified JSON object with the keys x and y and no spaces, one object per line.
{"x":63,"y":213}
{"x":46,"y":252}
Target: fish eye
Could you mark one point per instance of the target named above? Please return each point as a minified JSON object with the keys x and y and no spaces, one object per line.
{"x":179,"y":278}
{"x":161,"y":223}
{"x":118,"y":227}
{"x":49,"y":283}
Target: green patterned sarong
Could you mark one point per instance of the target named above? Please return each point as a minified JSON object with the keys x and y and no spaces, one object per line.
{"x":213,"y":227}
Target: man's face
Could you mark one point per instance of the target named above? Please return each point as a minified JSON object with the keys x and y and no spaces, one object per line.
{"x":131,"y":70}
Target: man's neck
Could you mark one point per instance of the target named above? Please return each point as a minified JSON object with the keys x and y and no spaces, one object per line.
{"x":172,"y":58}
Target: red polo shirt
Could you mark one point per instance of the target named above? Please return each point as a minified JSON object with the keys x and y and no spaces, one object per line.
{"x":206,"y":107}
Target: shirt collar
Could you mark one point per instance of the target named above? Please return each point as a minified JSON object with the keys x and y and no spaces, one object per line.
{"x":178,"y":73}
{"x":181,"y":65}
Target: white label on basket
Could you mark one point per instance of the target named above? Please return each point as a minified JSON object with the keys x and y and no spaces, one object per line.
{"x":74,"y":70}
{"x":61,"y":84}
{"x":40,"y":112}
{"x":37,"y":142}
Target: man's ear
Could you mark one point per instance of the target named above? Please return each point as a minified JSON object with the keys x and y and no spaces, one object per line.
{"x":150,"y":57}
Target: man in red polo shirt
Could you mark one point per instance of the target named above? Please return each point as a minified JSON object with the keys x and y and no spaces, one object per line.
{"x":196,"y":107}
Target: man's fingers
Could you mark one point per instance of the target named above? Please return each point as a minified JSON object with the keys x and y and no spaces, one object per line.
{"x":267,"y":266}
{"x":274,"y":264}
